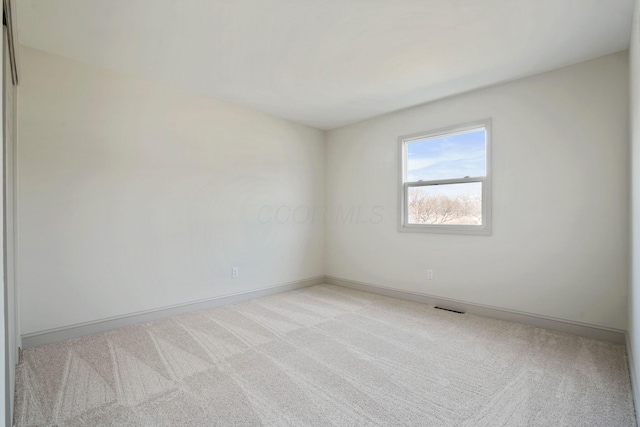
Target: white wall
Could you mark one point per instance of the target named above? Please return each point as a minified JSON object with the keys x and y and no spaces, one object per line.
{"x":634,"y":290}
{"x":560,"y":199}
{"x":134,"y":196}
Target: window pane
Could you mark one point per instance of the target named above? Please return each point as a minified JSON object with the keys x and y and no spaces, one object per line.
{"x":447,"y":156}
{"x":459,"y":204}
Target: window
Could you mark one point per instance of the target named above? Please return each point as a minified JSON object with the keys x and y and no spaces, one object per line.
{"x":445,"y":180}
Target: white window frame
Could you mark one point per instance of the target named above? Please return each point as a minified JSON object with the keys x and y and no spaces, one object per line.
{"x":485,"y":228}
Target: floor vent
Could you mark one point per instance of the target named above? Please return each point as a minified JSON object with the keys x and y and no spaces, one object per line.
{"x":448,"y":309}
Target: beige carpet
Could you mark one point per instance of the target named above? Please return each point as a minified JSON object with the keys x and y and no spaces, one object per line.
{"x":326,"y":356}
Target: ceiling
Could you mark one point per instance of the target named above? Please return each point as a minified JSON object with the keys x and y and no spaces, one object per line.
{"x":327,"y":63}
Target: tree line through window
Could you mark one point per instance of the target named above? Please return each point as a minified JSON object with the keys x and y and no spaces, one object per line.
{"x":427,"y":206}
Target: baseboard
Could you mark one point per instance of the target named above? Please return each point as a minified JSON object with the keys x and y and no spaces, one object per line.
{"x":635,"y":390}
{"x":78,"y":330}
{"x":103,"y":325}
{"x":576,"y":328}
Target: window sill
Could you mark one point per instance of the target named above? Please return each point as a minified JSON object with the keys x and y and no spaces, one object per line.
{"x":447,"y":229}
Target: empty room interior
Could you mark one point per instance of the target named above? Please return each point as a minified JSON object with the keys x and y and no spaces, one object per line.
{"x":320,"y":213}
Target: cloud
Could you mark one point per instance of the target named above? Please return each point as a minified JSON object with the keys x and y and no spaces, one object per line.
{"x":445,"y":167}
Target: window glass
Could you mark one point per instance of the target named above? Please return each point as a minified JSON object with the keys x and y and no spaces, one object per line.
{"x":447,"y":156}
{"x":446,"y":204}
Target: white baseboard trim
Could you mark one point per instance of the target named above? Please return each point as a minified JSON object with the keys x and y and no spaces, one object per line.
{"x":567,"y":326}
{"x":635,"y":390}
{"x":49,"y":336}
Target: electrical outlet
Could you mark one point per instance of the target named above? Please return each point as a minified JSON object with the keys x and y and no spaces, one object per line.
{"x":429,"y":274}
{"x":234,"y":272}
